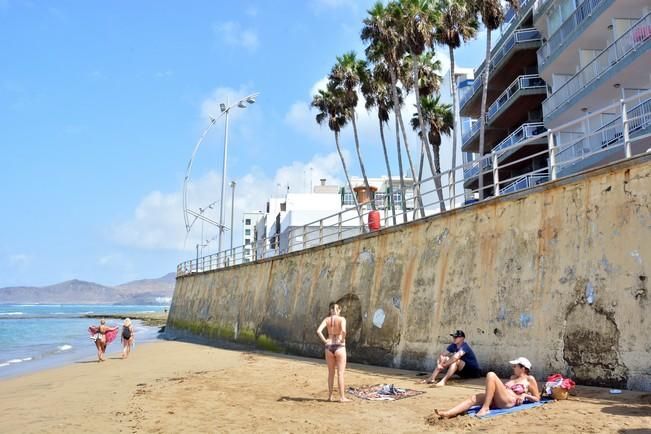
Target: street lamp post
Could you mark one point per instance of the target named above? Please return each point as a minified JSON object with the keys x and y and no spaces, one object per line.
{"x":225,"y":109}
{"x":232,"y":214}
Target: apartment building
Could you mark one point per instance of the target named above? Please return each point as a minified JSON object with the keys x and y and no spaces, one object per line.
{"x":595,"y":53}
{"x":514,"y":106}
{"x":554,"y":62}
{"x":249,"y":220}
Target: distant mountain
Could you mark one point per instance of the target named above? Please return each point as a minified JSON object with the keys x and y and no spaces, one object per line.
{"x":147,"y":291}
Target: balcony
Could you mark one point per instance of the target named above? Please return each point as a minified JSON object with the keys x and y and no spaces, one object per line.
{"x":486,"y":164}
{"x":524,"y":182}
{"x":520,"y":39}
{"x":524,"y":132}
{"x":569,"y":29}
{"x":474,"y":129}
{"x":520,"y":85}
{"x":624,"y":48}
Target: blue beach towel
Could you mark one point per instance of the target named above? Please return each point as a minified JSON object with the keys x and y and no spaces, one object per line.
{"x":500,"y":411}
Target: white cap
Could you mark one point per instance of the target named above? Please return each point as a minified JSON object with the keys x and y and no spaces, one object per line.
{"x":521,"y":361}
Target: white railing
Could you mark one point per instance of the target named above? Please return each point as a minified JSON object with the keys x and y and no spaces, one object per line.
{"x":523,"y":82}
{"x":518,"y":37}
{"x":523,"y":132}
{"x":565,"y":32}
{"x":625,"y":45}
{"x":503,"y":177}
{"x":474,"y":127}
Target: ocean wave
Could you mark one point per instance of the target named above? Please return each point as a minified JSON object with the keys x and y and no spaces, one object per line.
{"x":64,"y":347}
{"x":2,"y":365}
{"x":147,"y":311}
{"x":12,"y":313}
{"x":15,"y":361}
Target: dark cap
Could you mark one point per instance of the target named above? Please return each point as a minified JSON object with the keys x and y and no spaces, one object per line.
{"x":458,"y":334}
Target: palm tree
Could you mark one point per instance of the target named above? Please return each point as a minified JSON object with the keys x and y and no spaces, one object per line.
{"x":457,"y":23}
{"x":429,"y":82}
{"x":347,"y":75}
{"x":382,"y":33}
{"x":333,"y":113}
{"x":417,"y":21}
{"x":492,"y":17}
{"x":377,"y":93}
{"x":439,"y":120}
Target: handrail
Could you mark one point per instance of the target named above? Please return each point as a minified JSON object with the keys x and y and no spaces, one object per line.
{"x":474,"y":127}
{"x":345,"y":224}
{"x":531,"y":81}
{"x":566,"y":30}
{"x":518,"y":37}
{"x":635,"y":36}
{"x":523,"y":132}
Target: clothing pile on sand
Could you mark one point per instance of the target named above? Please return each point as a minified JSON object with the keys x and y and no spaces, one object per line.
{"x":382,"y":392}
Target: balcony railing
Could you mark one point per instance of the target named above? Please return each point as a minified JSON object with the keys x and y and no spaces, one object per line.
{"x":474,"y":127}
{"x":607,"y":59}
{"x":524,"y":132}
{"x":559,"y":39}
{"x":639,"y":118}
{"x":517,"y":37}
{"x":532,"y":81}
{"x":474,"y":169}
{"x":526,"y":181}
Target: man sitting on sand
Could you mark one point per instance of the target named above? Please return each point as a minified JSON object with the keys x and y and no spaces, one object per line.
{"x":458,"y":358}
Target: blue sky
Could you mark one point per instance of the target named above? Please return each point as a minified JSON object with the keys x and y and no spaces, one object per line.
{"x":101,"y":104}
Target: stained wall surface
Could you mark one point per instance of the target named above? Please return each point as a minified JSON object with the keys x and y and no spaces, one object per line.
{"x":558,"y":275}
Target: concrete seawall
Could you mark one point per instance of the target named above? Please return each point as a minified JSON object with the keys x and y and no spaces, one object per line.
{"x":558,"y":275}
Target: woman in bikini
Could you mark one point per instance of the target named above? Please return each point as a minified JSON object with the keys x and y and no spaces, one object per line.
{"x":101,"y":338}
{"x":520,"y":387}
{"x":335,"y":349}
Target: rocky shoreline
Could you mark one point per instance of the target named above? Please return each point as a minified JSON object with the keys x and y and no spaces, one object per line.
{"x":157,"y":319}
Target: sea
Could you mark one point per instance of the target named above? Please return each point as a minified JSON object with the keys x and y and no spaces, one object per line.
{"x":41,"y":336}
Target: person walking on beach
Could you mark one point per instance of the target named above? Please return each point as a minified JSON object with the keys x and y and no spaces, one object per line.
{"x":102,"y":335}
{"x":335,"y":349}
{"x":128,"y":338}
{"x":520,"y":388}
{"x":458,"y":358}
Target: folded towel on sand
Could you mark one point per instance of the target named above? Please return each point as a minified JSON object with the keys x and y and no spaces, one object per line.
{"x":499,"y":411}
{"x":382,"y":392}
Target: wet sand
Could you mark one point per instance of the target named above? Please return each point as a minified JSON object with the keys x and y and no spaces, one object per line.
{"x":181,"y":387}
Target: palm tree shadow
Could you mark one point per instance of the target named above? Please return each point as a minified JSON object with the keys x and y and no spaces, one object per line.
{"x":299,"y":399}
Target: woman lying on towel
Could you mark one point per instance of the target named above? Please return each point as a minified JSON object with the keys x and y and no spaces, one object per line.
{"x":522,"y":386}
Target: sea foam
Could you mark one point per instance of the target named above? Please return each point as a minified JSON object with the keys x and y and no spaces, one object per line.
{"x":64,"y":347}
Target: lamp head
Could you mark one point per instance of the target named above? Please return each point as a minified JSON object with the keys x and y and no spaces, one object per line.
{"x":241,"y":104}
{"x":222,"y":107}
{"x":250,"y":100}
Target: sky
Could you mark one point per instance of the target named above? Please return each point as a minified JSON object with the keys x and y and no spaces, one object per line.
{"x":102,"y":103}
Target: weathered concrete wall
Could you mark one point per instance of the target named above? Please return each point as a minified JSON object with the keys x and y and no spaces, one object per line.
{"x":558,"y":275}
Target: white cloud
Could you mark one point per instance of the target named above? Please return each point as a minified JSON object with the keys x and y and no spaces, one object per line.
{"x":232,"y":33}
{"x":157,"y":222}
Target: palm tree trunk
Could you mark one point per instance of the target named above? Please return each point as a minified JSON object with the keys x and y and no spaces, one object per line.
{"x":424,"y":142}
{"x":455,"y":126}
{"x":417,"y":197}
{"x":403,"y":201}
{"x":386,"y":161}
{"x":350,"y":186}
{"x":482,"y":120}
{"x":361,"y":162}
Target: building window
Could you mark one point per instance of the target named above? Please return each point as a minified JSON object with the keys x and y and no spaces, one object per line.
{"x":247,"y":241}
{"x":247,"y":222}
{"x":247,"y":231}
{"x":380,"y":200}
{"x":397,"y":199}
{"x":348,"y":199}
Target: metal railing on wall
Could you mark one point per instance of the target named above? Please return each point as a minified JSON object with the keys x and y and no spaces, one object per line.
{"x":445,"y":191}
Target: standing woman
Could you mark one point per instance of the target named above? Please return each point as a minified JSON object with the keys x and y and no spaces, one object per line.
{"x":335,"y":349}
{"x":128,"y":337}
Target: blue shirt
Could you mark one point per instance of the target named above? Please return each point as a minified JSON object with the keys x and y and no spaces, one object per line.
{"x":469,"y":355}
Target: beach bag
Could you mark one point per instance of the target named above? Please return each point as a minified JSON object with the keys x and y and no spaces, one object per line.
{"x":558,"y":387}
{"x":126,"y":333}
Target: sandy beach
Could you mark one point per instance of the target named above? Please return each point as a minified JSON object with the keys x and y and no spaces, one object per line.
{"x":181,"y":387}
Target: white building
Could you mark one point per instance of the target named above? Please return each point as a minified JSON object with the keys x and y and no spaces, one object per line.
{"x":300,"y":220}
{"x":249,"y":220}
{"x":594,"y":54}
